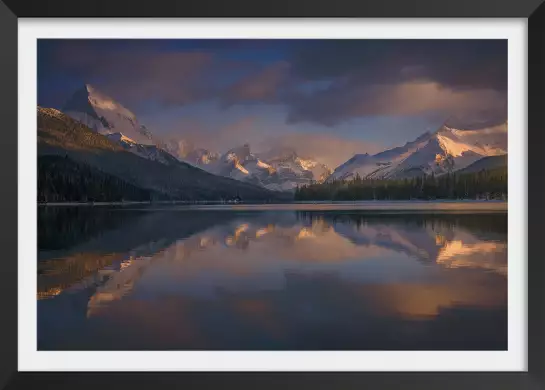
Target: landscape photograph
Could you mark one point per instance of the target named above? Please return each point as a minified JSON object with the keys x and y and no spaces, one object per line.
{"x":272,"y":194}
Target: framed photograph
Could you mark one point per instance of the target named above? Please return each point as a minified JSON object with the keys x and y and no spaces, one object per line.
{"x":269,"y":195}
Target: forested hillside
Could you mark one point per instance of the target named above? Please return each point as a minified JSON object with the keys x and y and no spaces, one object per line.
{"x":60,"y":179}
{"x":485,"y":184}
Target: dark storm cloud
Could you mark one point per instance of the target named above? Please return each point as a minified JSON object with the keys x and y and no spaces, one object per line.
{"x":137,"y":72}
{"x":452,"y":63}
{"x":141,"y":71}
{"x":343,"y":101}
{"x":401,"y":77}
{"x":325,"y":82}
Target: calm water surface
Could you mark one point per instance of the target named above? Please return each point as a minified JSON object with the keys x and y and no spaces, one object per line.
{"x":297,"y":277}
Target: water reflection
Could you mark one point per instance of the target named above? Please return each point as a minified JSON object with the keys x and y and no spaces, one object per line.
{"x":206,"y":279}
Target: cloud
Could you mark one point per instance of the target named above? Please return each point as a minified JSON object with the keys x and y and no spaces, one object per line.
{"x":469,"y":63}
{"x":263,"y":86}
{"x":343,"y":101}
{"x":325,"y":82}
{"x":136,"y":73}
{"x":217,"y":138}
{"x":398,"y":77}
{"x":326,"y":148}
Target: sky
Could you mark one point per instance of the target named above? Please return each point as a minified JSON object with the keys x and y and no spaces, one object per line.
{"x":328,"y":99}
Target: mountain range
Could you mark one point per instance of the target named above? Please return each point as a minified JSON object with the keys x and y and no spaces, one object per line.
{"x":103,"y":159}
{"x":278,"y":169}
{"x":94,"y":129}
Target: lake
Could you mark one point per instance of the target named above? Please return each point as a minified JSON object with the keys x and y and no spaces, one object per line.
{"x":343,"y":276}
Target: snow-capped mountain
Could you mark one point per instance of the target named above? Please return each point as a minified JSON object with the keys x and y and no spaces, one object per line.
{"x":279,"y":169}
{"x":447,"y":150}
{"x":150,"y":152}
{"x":106,"y":116}
{"x":285,"y":159}
{"x":103,"y":114}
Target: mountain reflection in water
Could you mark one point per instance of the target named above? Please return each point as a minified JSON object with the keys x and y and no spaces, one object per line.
{"x":114,"y":278}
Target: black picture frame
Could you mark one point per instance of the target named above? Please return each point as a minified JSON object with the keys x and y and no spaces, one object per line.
{"x":532,"y":10}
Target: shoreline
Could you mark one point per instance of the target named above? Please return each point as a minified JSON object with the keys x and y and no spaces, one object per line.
{"x":165,"y":202}
{"x":371,"y":205}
